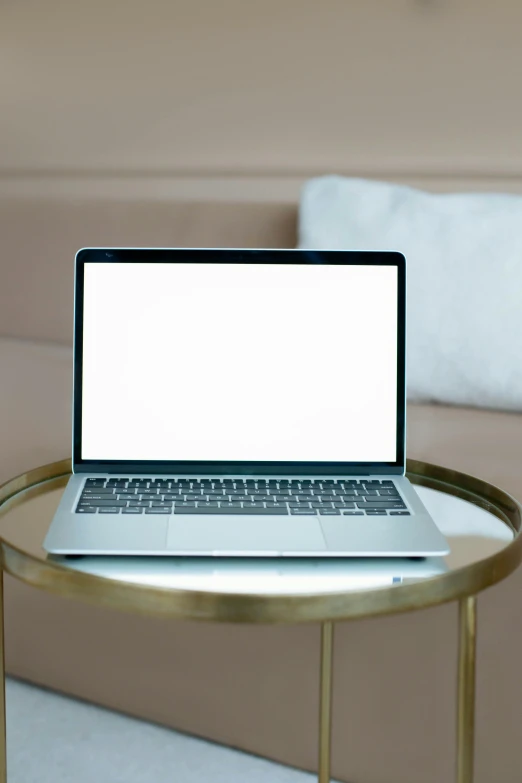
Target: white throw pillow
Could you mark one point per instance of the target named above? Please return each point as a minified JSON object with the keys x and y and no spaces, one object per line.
{"x":464,"y":279}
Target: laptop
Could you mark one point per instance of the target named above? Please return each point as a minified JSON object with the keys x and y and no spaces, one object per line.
{"x":240,"y":403}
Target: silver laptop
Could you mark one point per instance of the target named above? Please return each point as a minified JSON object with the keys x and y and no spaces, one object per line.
{"x":240,"y":403}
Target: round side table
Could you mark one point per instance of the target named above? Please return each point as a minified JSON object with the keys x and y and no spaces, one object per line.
{"x":482,"y":523}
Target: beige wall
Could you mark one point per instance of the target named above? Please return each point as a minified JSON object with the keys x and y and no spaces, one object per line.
{"x":422,"y":90}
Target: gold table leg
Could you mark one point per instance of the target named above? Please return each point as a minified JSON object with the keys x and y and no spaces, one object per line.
{"x":3,"y":750}
{"x":325,"y":704}
{"x":466,"y":689}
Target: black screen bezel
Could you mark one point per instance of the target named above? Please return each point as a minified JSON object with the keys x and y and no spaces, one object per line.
{"x":233,"y":256}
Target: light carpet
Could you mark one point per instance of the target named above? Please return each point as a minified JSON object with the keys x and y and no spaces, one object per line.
{"x":55,"y":739}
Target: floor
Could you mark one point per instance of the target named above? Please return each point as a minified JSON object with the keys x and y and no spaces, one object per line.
{"x":52,"y":738}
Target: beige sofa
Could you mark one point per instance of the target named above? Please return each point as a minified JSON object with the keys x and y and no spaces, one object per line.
{"x":250,"y":687}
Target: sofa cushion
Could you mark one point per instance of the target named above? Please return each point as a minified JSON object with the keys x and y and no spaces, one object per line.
{"x":35,"y":405}
{"x":464,"y":279}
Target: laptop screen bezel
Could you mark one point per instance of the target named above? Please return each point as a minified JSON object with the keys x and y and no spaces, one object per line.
{"x":238,"y":256}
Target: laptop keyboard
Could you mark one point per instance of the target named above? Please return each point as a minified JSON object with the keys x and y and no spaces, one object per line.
{"x":240,"y":496}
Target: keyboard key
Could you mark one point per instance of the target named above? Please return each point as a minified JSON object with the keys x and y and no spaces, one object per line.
{"x":353,"y":513}
{"x":400,"y":513}
{"x":376,"y":512}
{"x":91,"y":489}
{"x":329,"y":512}
{"x":86,"y":510}
{"x":303,"y":512}
{"x":231,"y":510}
{"x":95,"y":482}
{"x":110,"y":503}
{"x":99,"y":491}
{"x":375,"y":504}
{"x":208,"y":504}
{"x":109,"y":510}
{"x":98,"y":496}
{"x":132,"y":510}
{"x":139,"y":504}
{"x":343,"y":504}
{"x":158,"y":511}
{"x":266,"y":511}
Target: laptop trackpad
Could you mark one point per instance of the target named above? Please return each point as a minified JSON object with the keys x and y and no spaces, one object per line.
{"x":246,"y":533}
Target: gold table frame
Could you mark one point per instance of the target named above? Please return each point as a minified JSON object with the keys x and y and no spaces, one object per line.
{"x":460,"y":585}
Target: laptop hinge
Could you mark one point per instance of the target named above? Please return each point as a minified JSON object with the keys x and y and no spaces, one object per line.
{"x":239,"y":470}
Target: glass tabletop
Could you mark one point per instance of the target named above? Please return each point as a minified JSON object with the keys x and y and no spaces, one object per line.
{"x":473,"y":533}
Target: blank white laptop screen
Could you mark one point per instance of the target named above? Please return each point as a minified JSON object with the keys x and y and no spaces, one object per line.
{"x":239,"y":362}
